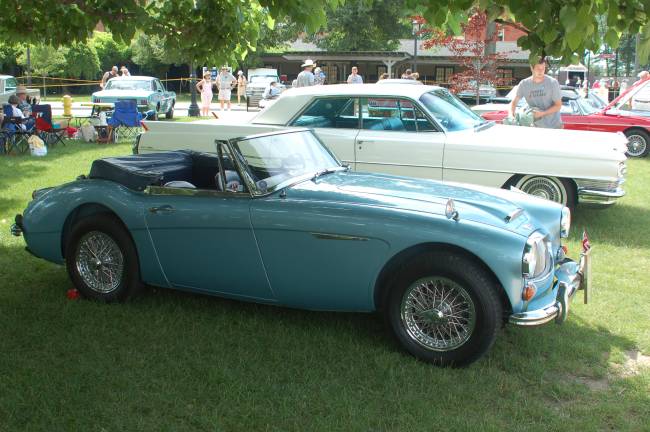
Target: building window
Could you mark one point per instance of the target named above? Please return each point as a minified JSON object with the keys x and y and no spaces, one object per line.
{"x":443,"y":74}
{"x":505,"y":76}
{"x":501,"y":35}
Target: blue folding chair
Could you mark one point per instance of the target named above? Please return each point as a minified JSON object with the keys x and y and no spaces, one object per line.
{"x":125,"y":120}
{"x":14,"y":134}
{"x":46,"y":129}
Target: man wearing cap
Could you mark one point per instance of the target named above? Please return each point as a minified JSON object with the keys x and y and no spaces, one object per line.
{"x":306,"y":77}
{"x":23,"y":105}
{"x":225,"y":82}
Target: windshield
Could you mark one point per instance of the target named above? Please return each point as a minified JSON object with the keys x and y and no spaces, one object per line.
{"x":264,"y":78}
{"x":10,"y":84}
{"x":449,"y":111}
{"x":118,"y":84}
{"x":278,"y":160}
{"x":585,"y":106}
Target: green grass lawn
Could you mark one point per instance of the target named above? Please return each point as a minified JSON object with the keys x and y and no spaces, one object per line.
{"x":172,"y":361}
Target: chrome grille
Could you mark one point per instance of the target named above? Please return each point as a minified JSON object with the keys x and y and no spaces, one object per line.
{"x":601,"y":185}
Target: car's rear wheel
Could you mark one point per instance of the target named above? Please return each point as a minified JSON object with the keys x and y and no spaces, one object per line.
{"x":170,"y":114}
{"x":102,"y":260}
{"x":551,"y":188}
{"x":637,"y":143}
{"x":444,"y":309}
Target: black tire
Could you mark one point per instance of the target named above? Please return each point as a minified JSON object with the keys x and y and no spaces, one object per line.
{"x":455,"y":271}
{"x":102,"y":281}
{"x":556,"y":189}
{"x":639,"y":143}
{"x":170,"y":114}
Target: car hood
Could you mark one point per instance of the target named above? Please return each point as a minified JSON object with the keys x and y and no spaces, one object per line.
{"x":123,"y":93}
{"x":533,"y":140}
{"x":484,"y":205}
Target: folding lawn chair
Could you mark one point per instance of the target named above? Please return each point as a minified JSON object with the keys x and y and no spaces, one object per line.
{"x":125,"y":120}
{"x":45,"y":128}
{"x":13,"y":133}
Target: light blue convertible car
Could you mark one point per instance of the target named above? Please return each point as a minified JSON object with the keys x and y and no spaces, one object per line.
{"x":275,"y":218}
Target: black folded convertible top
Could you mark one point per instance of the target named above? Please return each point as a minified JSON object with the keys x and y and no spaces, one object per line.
{"x":139,"y":171}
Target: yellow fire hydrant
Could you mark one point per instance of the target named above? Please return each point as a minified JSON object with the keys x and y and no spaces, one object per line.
{"x":67,"y":106}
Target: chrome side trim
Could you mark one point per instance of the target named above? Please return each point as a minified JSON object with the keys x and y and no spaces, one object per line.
{"x":326,"y":236}
{"x":166,"y":190}
{"x":397,"y":164}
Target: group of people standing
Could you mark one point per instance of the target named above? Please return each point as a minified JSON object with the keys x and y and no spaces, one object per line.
{"x":313,"y":75}
{"x":113,"y":73}
{"x":224,"y":84}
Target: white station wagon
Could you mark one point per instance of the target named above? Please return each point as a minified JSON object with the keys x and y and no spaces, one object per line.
{"x":425,"y":131}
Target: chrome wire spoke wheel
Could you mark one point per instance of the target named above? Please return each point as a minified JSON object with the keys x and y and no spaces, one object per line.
{"x":438,"y":313}
{"x":636,"y":145}
{"x":543,"y":187}
{"x":99,"y":262}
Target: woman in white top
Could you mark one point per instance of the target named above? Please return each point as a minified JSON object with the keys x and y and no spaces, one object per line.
{"x":205,"y":87}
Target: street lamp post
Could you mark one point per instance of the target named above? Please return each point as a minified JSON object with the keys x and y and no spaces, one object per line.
{"x":193,"y":110}
{"x":416,"y":29}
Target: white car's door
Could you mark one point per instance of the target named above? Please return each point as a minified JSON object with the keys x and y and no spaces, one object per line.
{"x":396,"y":137}
{"x":336,"y":122}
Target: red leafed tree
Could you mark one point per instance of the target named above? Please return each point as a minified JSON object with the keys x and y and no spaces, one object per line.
{"x":471,"y":54}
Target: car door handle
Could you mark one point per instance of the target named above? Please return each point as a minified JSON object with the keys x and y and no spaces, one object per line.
{"x":162,"y":209}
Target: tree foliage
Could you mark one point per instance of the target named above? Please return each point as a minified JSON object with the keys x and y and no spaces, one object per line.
{"x":365,"y":25}
{"x":558,"y":28}
{"x":77,"y":60}
{"x":208,"y":31}
{"x":110,"y":51}
{"x":478,"y":65}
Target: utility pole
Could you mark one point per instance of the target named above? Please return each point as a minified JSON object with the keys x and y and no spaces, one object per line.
{"x":193,"y":110}
{"x":29,"y":66}
{"x":636,"y":55}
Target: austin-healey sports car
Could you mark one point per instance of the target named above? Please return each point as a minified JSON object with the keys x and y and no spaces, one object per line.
{"x":275,"y":218}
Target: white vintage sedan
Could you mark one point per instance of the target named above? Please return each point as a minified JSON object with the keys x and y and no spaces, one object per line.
{"x":425,"y":131}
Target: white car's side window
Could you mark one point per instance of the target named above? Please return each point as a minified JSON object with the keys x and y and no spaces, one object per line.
{"x":330,"y":112}
{"x":393,"y":114}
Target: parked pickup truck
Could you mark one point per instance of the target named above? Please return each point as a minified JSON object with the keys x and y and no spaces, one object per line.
{"x":8,"y":86}
{"x":425,"y":131}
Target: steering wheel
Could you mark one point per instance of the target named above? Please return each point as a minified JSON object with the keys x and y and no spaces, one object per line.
{"x":293,"y":162}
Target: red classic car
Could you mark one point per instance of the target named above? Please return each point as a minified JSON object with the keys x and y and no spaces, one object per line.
{"x":577,"y":113}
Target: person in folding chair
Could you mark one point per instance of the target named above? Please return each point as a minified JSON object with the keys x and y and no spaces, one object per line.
{"x":125,"y":121}
{"x":15,"y":131}
{"x":50,"y":133}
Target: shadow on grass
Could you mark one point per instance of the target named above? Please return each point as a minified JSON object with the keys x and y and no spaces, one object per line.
{"x":620,"y":225}
{"x":169,"y":345}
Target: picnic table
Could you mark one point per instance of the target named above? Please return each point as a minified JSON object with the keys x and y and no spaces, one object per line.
{"x":97,"y":108}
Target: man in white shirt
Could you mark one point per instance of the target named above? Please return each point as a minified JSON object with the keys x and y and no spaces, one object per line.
{"x":306,"y":77}
{"x":354,"y":77}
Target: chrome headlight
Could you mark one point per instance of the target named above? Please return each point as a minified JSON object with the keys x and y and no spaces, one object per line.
{"x":565,"y":222}
{"x":622,"y":170}
{"x":536,"y":259}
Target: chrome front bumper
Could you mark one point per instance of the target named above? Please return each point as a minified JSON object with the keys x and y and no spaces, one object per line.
{"x":571,"y":277}
{"x":598,"y":197}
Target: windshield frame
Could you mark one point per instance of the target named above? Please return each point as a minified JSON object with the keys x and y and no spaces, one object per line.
{"x":459,"y":104}
{"x":110,"y":82}
{"x":244,"y":168}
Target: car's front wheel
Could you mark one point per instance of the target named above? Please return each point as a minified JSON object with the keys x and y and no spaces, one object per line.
{"x":170,"y":114}
{"x":443,"y":308}
{"x":637,"y":143}
{"x":102,"y":260}
{"x":551,"y":188}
